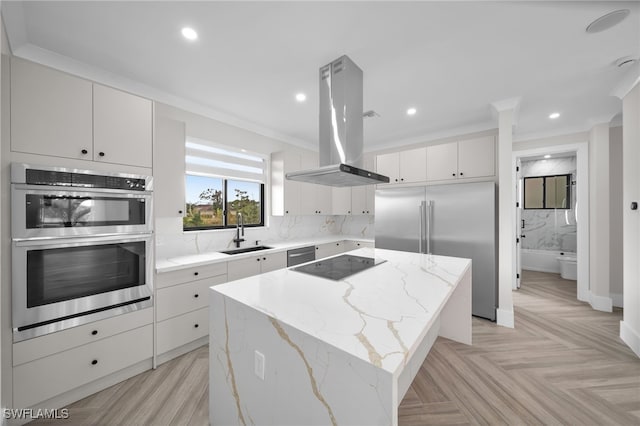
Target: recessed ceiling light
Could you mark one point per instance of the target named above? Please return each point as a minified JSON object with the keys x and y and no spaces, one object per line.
{"x":554,"y":115}
{"x":189,"y":33}
{"x":411,"y":111}
{"x":607,"y":21}
{"x":547,"y":156}
{"x":301,"y":97}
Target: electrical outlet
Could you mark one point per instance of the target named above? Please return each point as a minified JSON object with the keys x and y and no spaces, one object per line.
{"x":258,"y":365}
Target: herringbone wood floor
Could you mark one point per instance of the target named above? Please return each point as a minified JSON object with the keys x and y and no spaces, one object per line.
{"x":562,"y":364}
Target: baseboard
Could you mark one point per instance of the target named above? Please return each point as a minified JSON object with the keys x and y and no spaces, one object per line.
{"x":630,"y":337}
{"x":600,"y":303}
{"x":505,"y":318}
{"x":618,"y":300}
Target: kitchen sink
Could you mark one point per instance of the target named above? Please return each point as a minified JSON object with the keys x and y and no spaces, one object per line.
{"x":246,"y":250}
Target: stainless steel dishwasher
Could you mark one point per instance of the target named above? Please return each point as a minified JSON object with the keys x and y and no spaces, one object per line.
{"x":301,"y":255}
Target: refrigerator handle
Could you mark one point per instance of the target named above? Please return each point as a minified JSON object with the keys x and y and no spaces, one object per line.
{"x":427,"y":215}
{"x":421,"y":233}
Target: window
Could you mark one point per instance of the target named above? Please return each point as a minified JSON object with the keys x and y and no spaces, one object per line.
{"x":547,"y":192}
{"x":222,"y":184}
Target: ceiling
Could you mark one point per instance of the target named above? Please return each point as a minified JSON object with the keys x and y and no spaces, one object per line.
{"x":449,"y":60}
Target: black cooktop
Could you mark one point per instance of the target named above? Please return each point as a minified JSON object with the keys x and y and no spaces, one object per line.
{"x":339,"y":267}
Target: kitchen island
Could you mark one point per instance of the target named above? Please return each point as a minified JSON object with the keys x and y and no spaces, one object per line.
{"x":291,"y":348}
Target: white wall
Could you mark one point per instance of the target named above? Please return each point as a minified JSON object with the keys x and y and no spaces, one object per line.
{"x":599,"y":205}
{"x":615,"y":215}
{"x":630,"y":325}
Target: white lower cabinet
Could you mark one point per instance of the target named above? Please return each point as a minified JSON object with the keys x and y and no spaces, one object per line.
{"x":183,"y":329}
{"x":254,"y":265}
{"x":47,"y":377}
{"x":178,"y":299}
{"x":329,"y":249}
{"x":182,"y":300}
{"x":354,"y":245}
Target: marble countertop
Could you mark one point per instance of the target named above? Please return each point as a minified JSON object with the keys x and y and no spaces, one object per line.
{"x":187,"y":261}
{"x":379,"y":315}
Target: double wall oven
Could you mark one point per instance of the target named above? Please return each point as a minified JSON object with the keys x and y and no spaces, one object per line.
{"x":81,"y":247}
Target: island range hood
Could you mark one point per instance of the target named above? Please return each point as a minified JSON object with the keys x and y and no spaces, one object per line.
{"x":341,"y":132}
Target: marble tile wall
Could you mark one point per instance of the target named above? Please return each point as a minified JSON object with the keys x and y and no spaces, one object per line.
{"x":171,"y":241}
{"x":550,"y":229}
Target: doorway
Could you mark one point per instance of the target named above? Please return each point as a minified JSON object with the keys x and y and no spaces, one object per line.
{"x":552,"y":209}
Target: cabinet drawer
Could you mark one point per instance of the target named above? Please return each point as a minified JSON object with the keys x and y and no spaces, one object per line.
{"x":49,"y":344}
{"x":181,"y":330}
{"x":47,"y":377}
{"x":183,"y":298}
{"x":190,"y":274}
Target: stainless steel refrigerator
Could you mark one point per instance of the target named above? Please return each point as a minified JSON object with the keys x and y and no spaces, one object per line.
{"x":456,"y":220}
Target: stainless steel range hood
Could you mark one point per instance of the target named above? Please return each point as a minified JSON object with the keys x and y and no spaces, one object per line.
{"x":341,"y":132}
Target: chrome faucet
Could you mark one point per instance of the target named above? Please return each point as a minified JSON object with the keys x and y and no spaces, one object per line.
{"x":239,"y":224}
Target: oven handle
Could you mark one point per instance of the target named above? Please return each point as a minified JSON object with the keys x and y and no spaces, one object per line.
{"x":53,"y":242}
{"x":48,"y":189}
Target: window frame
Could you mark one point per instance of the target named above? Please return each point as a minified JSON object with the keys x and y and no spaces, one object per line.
{"x":225,"y":201}
{"x":544,"y":192}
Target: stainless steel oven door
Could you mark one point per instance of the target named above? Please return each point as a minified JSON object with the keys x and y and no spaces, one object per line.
{"x":54,"y":212}
{"x":61,"y":283}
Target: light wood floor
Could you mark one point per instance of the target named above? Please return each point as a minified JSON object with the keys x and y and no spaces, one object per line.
{"x":563,"y":364}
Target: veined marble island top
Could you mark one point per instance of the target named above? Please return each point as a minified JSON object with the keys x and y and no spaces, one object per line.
{"x":289,"y":348}
{"x":379,"y":315}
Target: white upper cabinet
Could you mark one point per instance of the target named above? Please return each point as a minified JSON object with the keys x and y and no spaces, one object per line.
{"x":50,"y":112}
{"x":285,"y":194}
{"x":442,"y":161}
{"x":476,"y":157}
{"x":389,"y":165}
{"x":471,"y":158}
{"x":404,"y":166}
{"x":314,"y":199}
{"x":122,"y":127}
{"x":341,"y":200}
{"x":169,"y":168}
{"x":56,"y":114}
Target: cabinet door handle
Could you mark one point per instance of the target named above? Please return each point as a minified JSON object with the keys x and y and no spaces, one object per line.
{"x":349,"y":212}
{"x":453,"y":174}
{"x":258,"y":259}
{"x":179,"y":211}
{"x":461,"y":173}
{"x":195,"y":273}
{"x":286,"y":211}
{"x":84,"y":152}
{"x":317,"y":248}
{"x":402,"y":179}
{"x":94,"y":332}
{"x":264,"y":258}
{"x":101,"y":154}
{"x":396,"y":180}
{"x":94,"y":362}
{"x":196,"y":295}
{"x":196,"y":325}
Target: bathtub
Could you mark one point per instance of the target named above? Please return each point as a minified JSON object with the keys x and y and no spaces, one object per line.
{"x":540,"y":260}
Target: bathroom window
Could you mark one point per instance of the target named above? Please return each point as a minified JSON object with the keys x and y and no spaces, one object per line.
{"x":220,"y":184}
{"x":547,"y":192}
